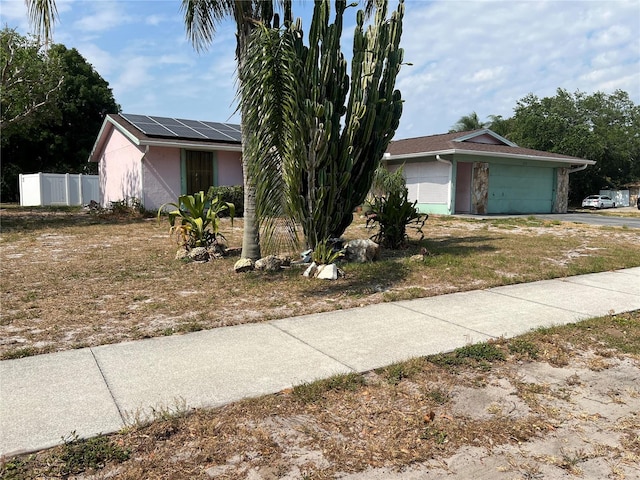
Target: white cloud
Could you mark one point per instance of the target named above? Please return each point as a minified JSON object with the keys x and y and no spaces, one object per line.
{"x":484,"y":56}
{"x":105,"y":15}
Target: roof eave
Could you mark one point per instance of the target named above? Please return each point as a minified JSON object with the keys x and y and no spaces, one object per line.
{"x":108,"y":120}
{"x":569,"y":161}
{"x":203,"y":146}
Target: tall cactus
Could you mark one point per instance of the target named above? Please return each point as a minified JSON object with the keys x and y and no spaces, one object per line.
{"x":331,"y":130}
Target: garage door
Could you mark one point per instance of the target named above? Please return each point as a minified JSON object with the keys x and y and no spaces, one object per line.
{"x":428,"y":182}
{"x":520,"y":189}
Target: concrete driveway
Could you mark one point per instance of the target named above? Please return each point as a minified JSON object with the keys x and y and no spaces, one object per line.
{"x":593,"y":218}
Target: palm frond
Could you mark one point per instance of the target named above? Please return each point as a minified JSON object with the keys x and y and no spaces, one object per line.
{"x":201,"y":19}
{"x":268,"y":93}
{"x":42,"y":15}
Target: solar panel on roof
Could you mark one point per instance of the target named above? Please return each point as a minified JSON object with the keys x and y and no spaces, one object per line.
{"x":191,"y":123}
{"x":214,"y":135}
{"x":186,"y":132}
{"x":154,"y":129}
{"x":135,"y":118}
{"x":186,"y":129}
{"x":165,"y":121}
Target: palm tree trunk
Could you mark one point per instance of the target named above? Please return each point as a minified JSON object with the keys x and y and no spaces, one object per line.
{"x":251,"y":228}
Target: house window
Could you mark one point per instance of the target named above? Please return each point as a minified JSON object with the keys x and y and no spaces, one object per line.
{"x":198,"y":171}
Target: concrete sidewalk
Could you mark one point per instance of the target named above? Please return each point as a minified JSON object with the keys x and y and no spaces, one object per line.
{"x":101,"y":389}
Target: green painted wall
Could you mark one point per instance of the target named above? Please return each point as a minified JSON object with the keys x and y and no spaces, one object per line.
{"x":436,"y":209}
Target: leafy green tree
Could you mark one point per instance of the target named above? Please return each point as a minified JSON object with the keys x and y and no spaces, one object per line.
{"x":322,"y":133}
{"x":601,"y":127}
{"x":31,"y":80}
{"x":56,"y":137}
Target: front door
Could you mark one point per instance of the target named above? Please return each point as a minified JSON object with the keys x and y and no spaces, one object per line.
{"x":463,"y":187}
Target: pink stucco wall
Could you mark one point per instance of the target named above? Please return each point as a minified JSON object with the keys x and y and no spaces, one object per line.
{"x":161,"y":176}
{"x":229,"y":168}
{"x":120,"y":170}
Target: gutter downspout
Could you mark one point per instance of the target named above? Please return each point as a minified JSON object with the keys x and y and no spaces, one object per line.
{"x":448,"y":162}
{"x":578,"y":169}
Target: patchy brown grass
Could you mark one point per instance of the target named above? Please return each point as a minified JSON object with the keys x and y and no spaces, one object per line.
{"x":70,"y":279}
{"x":504,"y":407}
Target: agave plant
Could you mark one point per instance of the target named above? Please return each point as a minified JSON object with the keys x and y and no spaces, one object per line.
{"x":195,"y":219}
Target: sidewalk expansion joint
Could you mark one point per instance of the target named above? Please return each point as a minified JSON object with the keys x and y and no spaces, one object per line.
{"x":445,"y":321}
{"x":106,"y":382}
{"x":353,"y":369}
{"x":539,"y":303}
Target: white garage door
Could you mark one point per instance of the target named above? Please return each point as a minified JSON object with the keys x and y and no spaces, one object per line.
{"x":428,"y":182}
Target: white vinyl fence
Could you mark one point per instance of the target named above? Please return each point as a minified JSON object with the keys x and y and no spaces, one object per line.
{"x":621,"y":197}
{"x":39,"y":189}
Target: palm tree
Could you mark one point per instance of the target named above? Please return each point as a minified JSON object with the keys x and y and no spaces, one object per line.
{"x":201,"y":19}
{"x":468,"y":122}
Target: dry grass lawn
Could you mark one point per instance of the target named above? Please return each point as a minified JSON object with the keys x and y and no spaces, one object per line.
{"x":70,"y":279}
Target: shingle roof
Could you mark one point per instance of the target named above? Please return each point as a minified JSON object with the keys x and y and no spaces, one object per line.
{"x":446,"y":143}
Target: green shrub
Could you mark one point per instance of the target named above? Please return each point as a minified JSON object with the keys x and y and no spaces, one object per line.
{"x":233,"y":194}
{"x":389,"y":209}
{"x":392,"y":214}
{"x":195,"y":219}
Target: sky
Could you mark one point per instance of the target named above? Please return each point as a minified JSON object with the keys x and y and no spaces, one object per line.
{"x":465,"y":56}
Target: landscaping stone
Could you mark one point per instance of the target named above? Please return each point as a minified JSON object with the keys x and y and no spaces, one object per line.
{"x":244,"y":265}
{"x":327,"y":272}
{"x":199,"y":254}
{"x":269,"y":263}
{"x":182,"y":254}
{"x":311,"y":270}
{"x":362,"y":251}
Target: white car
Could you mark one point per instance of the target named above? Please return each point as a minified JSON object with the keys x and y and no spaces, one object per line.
{"x":598,"y":201}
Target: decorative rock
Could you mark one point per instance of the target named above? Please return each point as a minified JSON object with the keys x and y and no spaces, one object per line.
{"x":244,"y":265}
{"x":286,"y":260}
{"x":182,"y":253}
{"x":271,"y":263}
{"x":362,"y":251}
{"x":327,"y":272}
{"x":199,"y":254}
{"x":311,"y":270}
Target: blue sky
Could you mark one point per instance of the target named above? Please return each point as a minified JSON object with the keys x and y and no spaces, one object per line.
{"x":467,"y":56}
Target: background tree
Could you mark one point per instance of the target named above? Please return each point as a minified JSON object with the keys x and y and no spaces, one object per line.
{"x":30,"y":79}
{"x":468,"y":122}
{"x":322,"y":132}
{"x":57,"y":137}
{"x":601,"y":127}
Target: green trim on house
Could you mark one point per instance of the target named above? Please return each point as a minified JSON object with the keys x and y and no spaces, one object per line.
{"x":215,"y":169}
{"x":183,"y":171}
{"x":433,"y":208}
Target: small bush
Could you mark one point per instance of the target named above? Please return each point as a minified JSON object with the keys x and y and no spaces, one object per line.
{"x":388,"y":208}
{"x":234,"y":195}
